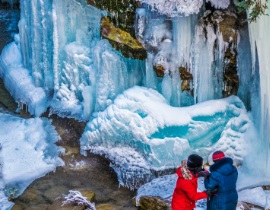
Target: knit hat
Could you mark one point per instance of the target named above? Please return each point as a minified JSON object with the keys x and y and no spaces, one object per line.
{"x":218,"y":155}
{"x":194,"y":161}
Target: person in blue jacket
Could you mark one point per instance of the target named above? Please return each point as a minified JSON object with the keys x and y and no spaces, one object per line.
{"x":222,"y":180}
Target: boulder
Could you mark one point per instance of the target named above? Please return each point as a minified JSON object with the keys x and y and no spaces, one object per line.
{"x":152,"y":203}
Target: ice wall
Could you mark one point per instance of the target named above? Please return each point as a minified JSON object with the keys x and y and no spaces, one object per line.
{"x":193,"y":43}
{"x":260,"y":48}
{"x":18,"y":81}
{"x":208,"y":66}
{"x":63,"y":54}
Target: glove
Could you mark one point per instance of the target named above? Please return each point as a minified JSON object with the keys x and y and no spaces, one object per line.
{"x":204,"y":174}
{"x":211,"y":193}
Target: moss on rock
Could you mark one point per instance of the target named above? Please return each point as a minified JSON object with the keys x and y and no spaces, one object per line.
{"x":121,"y":40}
{"x":152,"y":203}
{"x":122,"y":12}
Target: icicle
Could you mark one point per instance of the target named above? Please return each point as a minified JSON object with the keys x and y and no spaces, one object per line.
{"x":260,"y":48}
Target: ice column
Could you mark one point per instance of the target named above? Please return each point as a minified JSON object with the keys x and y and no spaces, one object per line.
{"x":183,"y":38}
{"x":76,"y":28}
{"x":183,"y":35}
{"x":36,"y":44}
{"x":260,"y":46}
{"x":208,"y":65}
{"x":202,"y":75}
{"x":112,"y":75}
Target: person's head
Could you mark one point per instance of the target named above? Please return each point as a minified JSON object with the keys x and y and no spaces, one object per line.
{"x":218,"y":155}
{"x":194,"y":163}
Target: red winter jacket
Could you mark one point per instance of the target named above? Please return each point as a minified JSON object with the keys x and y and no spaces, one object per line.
{"x":185,"y":193}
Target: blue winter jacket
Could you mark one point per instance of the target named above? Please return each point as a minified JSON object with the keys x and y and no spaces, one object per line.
{"x":224,"y":176}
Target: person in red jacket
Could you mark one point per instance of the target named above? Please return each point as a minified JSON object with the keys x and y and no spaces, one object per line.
{"x":185,"y":193}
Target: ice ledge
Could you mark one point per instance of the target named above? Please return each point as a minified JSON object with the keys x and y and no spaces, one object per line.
{"x":18,"y":81}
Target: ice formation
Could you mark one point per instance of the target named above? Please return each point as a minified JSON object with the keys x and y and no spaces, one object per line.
{"x":221,"y":4}
{"x":60,"y":61}
{"x":142,"y":123}
{"x":75,"y":197}
{"x":19,"y":82}
{"x":175,"y":7}
{"x":67,"y":65}
{"x":28,"y":151}
{"x":192,"y":43}
{"x":260,"y":48}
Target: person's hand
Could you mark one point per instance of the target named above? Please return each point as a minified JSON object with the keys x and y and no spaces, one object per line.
{"x":211,"y":193}
{"x":204,"y":173}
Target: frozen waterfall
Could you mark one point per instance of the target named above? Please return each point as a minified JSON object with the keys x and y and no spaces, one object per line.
{"x":260,"y":47}
{"x":64,"y":56}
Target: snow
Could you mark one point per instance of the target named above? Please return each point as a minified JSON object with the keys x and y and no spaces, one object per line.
{"x":175,"y":7}
{"x":255,"y":196}
{"x":18,"y":81}
{"x":27,"y":153}
{"x":162,"y":135}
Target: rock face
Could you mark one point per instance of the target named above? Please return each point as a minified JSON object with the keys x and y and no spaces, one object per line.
{"x":118,"y":27}
{"x":152,"y":203}
{"x":122,"y":40}
{"x":122,"y":12}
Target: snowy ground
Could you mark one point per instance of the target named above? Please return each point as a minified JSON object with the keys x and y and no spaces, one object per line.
{"x":28,"y":151}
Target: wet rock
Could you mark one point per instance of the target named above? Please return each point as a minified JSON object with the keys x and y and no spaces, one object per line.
{"x":159,"y":70}
{"x":90,"y":195}
{"x":95,"y":176}
{"x":55,"y":192}
{"x":186,"y":78}
{"x":152,"y":203}
{"x":57,"y":204}
{"x":106,"y":206}
{"x":17,"y":207}
{"x":6,"y":100}
{"x":123,"y":41}
{"x":33,"y":195}
{"x":122,"y":12}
